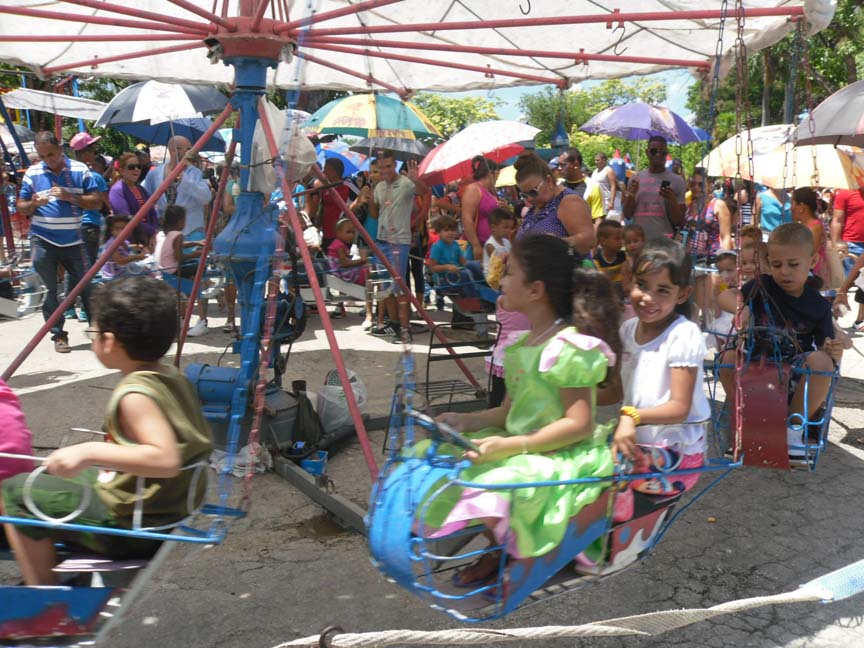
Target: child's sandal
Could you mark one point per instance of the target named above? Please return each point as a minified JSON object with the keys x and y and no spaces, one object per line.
{"x":493,"y":558}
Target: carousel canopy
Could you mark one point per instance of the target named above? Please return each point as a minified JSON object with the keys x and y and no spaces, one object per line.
{"x":398,"y":45}
{"x":60,"y":104}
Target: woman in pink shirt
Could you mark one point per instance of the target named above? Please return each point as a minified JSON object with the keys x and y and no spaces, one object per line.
{"x":478,"y":201}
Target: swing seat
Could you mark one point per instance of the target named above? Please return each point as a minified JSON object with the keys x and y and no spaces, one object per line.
{"x":813,"y":426}
{"x":353,"y":291}
{"x":28,"y":612}
{"x":421,"y":565}
{"x":764,"y":408}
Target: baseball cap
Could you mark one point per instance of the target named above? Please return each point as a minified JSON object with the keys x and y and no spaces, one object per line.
{"x":80,"y":141}
{"x":142,"y":149}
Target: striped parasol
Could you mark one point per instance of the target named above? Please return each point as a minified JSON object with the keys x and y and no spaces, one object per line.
{"x":370,"y":115}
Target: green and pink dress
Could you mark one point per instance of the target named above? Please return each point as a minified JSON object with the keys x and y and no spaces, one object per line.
{"x":532,"y":521}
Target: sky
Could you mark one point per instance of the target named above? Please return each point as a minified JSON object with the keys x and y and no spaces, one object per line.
{"x":677,"y":82}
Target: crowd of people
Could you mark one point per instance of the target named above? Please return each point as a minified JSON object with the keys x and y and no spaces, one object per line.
{"x":610,"y":285}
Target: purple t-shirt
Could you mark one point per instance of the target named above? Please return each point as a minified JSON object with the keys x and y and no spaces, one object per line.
{"x":546,"y":221}
{"x":650,"y":211}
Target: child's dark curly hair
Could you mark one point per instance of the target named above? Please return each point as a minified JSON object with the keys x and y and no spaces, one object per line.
{"x":141,"y":312}
{"x":597,"y":309}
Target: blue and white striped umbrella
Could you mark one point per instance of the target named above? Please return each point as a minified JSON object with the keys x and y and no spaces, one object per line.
{"x":155,"y":102}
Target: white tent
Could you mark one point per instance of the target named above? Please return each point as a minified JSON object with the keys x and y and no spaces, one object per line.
{"x":26,"y":99}
{"x":556,"y":41}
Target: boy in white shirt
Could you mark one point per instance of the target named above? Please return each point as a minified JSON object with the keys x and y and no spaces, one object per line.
{"x":500,"y":225}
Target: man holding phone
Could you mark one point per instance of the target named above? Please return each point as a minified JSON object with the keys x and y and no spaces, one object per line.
{"x":655,"y":198}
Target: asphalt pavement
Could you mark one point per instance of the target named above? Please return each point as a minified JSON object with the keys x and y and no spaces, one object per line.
{"x":287,"y":571}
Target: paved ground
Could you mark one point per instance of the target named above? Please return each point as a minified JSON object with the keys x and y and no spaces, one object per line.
{"x":286,"y":571}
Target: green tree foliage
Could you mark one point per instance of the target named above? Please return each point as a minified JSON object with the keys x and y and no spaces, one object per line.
{"x":836,"y":59}
{"x":451,"y":114}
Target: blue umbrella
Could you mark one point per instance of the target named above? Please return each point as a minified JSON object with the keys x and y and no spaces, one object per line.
{"x":191,"y":128}
{"x":353,"y":161}
{"x":641,"y":121}
{"x":702,"y":134}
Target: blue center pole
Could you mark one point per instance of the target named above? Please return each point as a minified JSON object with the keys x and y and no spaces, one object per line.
{"x":245,"y":248}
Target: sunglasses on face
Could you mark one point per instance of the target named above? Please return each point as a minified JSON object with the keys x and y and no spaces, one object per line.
{"x":532,"y":193}
{"x":658,"y":151}
{"x":133,"y":167}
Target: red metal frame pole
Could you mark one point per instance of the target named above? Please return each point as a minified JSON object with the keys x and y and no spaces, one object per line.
{"x":58,"y":120}
{"x":205,"y":250}
{"x":402,"y":92}
{"x":94,"y":20}
{"x":92,"y":38}
{"x":259,"y":15}
{"x":6,"y":219}
{"x":563,"y":83}
{"x":140,"y":13}
{"x":395,"y":276}
{"x":580,"y":55}
{"x":207,"y":15}
{"x":111,"y":249}
{"x":96,"y":62}
{"x":336,"y":13}
{"x":356,"y":415}
{"x":616,"y":17}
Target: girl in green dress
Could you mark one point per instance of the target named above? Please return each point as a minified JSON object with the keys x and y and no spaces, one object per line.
{"x":545,"y":429}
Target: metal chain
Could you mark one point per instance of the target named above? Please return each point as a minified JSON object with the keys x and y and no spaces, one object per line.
{"x":811,"y":122}
{"x":712,"y":104}
{"x":742,"y":101}
{"x":793,"y":76}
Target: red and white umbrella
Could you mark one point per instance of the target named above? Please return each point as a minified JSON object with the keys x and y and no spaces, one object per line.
{"x":496,"y":140}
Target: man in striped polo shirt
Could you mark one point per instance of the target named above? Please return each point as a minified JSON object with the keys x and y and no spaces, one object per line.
{"x":54,"y":194}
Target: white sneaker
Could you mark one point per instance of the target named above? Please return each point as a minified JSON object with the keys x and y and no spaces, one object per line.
{"x":795,"y":443}
{"x":199,"y":329}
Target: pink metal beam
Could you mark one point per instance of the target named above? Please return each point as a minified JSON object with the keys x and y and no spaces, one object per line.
{"x":402,"y":92}
{"x":94,"y":38}
{"x":95,"y":20}
{"x":356,"y":415}
{"x":581,"y":55}
{"x":207,"y":15}
{"x":96,"y":62}
{"x":205,"y":250}
{"x":259,"y":15}
{"x":616,"y":17}
{"x":336,"y":13}
{"x":113,"y":247}
{"x":58,"y":120}
{"x":488,"y":71}
{"x":6,"y":221}
{"x":140,"y":13}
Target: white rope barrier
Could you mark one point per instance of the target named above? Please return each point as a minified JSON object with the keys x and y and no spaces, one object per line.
{"x":650,"y":624}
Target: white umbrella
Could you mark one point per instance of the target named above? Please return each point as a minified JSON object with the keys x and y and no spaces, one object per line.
{"x":496,"y":140}
{"x":778,"y":163}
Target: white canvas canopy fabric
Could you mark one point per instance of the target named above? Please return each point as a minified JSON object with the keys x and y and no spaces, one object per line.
{"x":58,"y":104}
{"x":778,"y":163}
{"x":681,"y":39}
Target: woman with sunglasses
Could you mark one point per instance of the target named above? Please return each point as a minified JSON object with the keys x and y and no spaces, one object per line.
{"x":552,"y":209}
{"x":127,"y":196}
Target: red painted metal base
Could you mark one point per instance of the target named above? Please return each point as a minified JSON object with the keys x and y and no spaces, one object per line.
{"x":765,"y":406}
